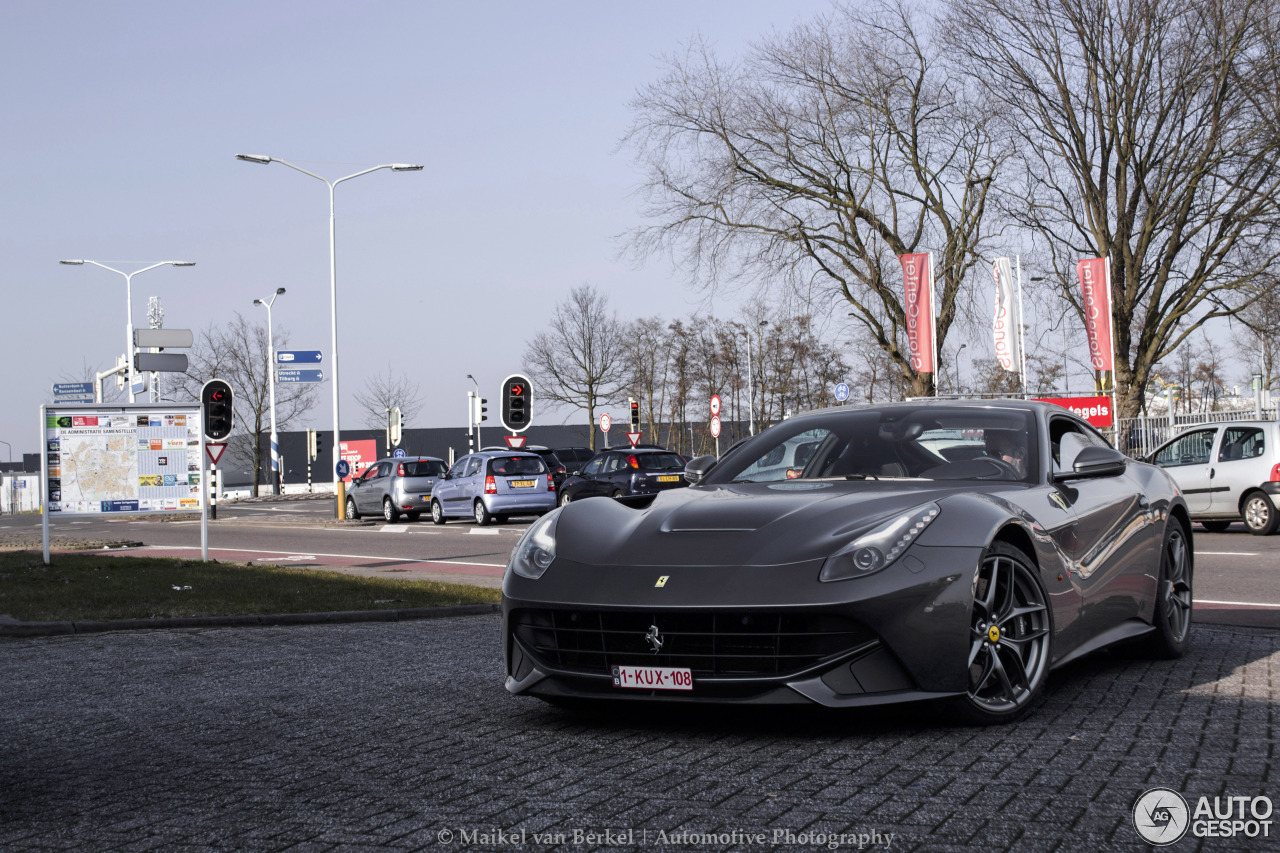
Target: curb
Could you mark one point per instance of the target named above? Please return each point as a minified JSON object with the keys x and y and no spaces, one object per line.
{"x":13,"y":628}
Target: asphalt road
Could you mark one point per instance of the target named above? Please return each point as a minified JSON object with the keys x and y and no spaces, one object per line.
{"x":1237,"y":575}
{"x":401,"y":736}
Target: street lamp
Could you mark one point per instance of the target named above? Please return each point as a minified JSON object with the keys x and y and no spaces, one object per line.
{"x":339,"y":489}
{"x":957,"y":373}
{"x":271,"y":384}
{"x":128,"y":304}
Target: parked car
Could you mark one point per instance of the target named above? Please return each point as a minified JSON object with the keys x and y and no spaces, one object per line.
{"x":559,"y":469}
{"x":915,"y":556}
{"x":492,"y":484}
{"x":395,"y":486}
{"x":573,"y":457}
{"x":1228,"y":472}
{"x":643,"y":470}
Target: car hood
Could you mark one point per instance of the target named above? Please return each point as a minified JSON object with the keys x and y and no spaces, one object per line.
{"x":755,"y":524}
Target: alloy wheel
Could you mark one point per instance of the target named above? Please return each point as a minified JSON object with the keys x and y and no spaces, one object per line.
{"x":1177,"y":585}
{"x":1009,"y":637}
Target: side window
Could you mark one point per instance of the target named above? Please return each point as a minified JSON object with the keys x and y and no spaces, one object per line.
{"x":384,"y":469}
{"x":593,"y":467}
{"x":458,"y":467}
{"x":473,"y":465}
{"x":1067,"y":438}
{"x":1242,"y":443}
{"x":1190,"y":449}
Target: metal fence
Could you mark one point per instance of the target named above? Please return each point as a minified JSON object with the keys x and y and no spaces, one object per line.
{"x":1141,"y":435}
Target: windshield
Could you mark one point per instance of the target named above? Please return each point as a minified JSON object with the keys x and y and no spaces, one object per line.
{"x":925,"y":442}
{"x":423,"y":468}
{"x":510,"y":466}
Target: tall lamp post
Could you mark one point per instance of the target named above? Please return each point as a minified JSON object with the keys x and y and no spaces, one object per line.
{"x":339,"y":489}
{"x":271,"y":384}
{"x":128,"y":304}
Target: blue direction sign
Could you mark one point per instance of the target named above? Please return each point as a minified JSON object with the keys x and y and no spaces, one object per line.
{"x":842,"y":391}
{"x":343,"y":468}
{"x":73,"y":389}
{"x":299,"y":356}
{"x":283,"y":375}
{"x":399,"y":453}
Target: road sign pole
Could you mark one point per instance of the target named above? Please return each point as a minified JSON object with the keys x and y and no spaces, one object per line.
{"x":204,"y":504}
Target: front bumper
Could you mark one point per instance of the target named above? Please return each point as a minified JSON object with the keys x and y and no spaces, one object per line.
{"x":751,"y":634}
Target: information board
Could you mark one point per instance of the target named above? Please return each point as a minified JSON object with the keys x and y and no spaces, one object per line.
{"x":135,"y":458}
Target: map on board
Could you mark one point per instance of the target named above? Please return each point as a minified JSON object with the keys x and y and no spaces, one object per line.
{"x":123,"y":460}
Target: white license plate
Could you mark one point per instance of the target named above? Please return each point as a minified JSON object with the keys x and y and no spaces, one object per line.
{"x":652,"y":678}
{"x":522,"y":484}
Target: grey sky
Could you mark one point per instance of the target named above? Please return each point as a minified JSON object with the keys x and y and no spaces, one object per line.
{"x":121,"y":125}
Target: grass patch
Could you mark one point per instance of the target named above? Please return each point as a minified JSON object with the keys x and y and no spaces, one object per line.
{"x":92,"y":587}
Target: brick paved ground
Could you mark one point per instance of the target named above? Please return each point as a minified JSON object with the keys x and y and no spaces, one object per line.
{"x":384,"y":735}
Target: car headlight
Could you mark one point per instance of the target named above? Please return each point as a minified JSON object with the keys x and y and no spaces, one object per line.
{"x":876,"y":549}
{"x":536,"y":550}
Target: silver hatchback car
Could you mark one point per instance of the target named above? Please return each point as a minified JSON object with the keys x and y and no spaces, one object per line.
{"x":492,"y":484}
{"x":1228,"y":472}
{"x":395,"y":487}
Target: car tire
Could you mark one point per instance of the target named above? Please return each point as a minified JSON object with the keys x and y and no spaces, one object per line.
{"x":481,"y":513}
{"x":413,"y":516}
{"x":617,"y":493}
{"x":351,"y":514}
{"x":1218,"y":526}
{"x":1259,"y":514}
{"x":1173,"y":596}
{"x":389,"y":512}
{"x":565,"y":499}
{"x":437,"y":513}
{"x":1009,"y":638}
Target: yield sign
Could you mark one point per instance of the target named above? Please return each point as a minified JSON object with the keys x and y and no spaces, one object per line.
{"x":515,"y":442}
{"x":214,"y":449}
{"x":634,"y":437}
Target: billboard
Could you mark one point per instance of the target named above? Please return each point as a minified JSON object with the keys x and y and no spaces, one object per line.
{"x":358,"y":454}
{"x":135,"y":458}
{"x":1095,"y":410}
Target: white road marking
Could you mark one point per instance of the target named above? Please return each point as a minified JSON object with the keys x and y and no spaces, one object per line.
{"x":1240,"y":603}
{"x":395,"y":528}
{"x":1226,"y":553}
{"x":481,"y":531}
{"x":383,"y":557}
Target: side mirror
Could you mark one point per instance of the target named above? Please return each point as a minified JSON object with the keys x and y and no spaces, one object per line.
{"x":446,"y":476}
{"x":699,"y":467}
{"x":1095,"y":462}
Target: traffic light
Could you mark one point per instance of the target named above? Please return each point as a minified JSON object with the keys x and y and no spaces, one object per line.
{"x":216,"y":398}
{"x":517,"y":403}
{"x":483,"y":408}
{"x":311,"y":445}
{"x":395,"y":425}
{"x":319,"y":445}
{"x":635,"y":416}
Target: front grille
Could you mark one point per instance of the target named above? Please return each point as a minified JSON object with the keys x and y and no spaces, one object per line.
{"x":720,"y":643}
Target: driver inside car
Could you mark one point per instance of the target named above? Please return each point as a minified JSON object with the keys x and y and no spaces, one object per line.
{"x":1009,"y":446}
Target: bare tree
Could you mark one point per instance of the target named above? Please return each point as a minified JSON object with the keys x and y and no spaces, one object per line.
{"x":1147,"y":132}
{"x":647,"y":363}
{"x":238,"y":353}
{"x":382,"y":392}
{"x":579,"y":358}
{"x":818,"y":159}
{"x":111,"y":391}
{"x":1257,"y":338}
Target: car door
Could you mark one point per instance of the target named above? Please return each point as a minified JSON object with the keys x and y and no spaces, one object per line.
{"x":359,"y":487}
{"x":1240,"y":464}
{"x":472,"y":484}
{"x":1115,"y":541}
{"x":1188,"y":459}
{"x":368,"y":496}
{"x":591,"y":474}
{"x":448,"y":489}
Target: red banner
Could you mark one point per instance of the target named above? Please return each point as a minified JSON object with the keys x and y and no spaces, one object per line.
{"x":1095,"y":410}
{"x":1097,"y":312}
{"x":918,"y":305}
{"x":358,"y":454}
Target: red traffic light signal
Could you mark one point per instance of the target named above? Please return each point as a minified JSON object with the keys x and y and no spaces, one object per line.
{"x":517,"y":403}
{"x":217,"y":400}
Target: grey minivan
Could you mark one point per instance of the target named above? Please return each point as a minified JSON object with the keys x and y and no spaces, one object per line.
{"x":1228,"y":472}
{"x":492,"y":484}
{"x":394,"y":486}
